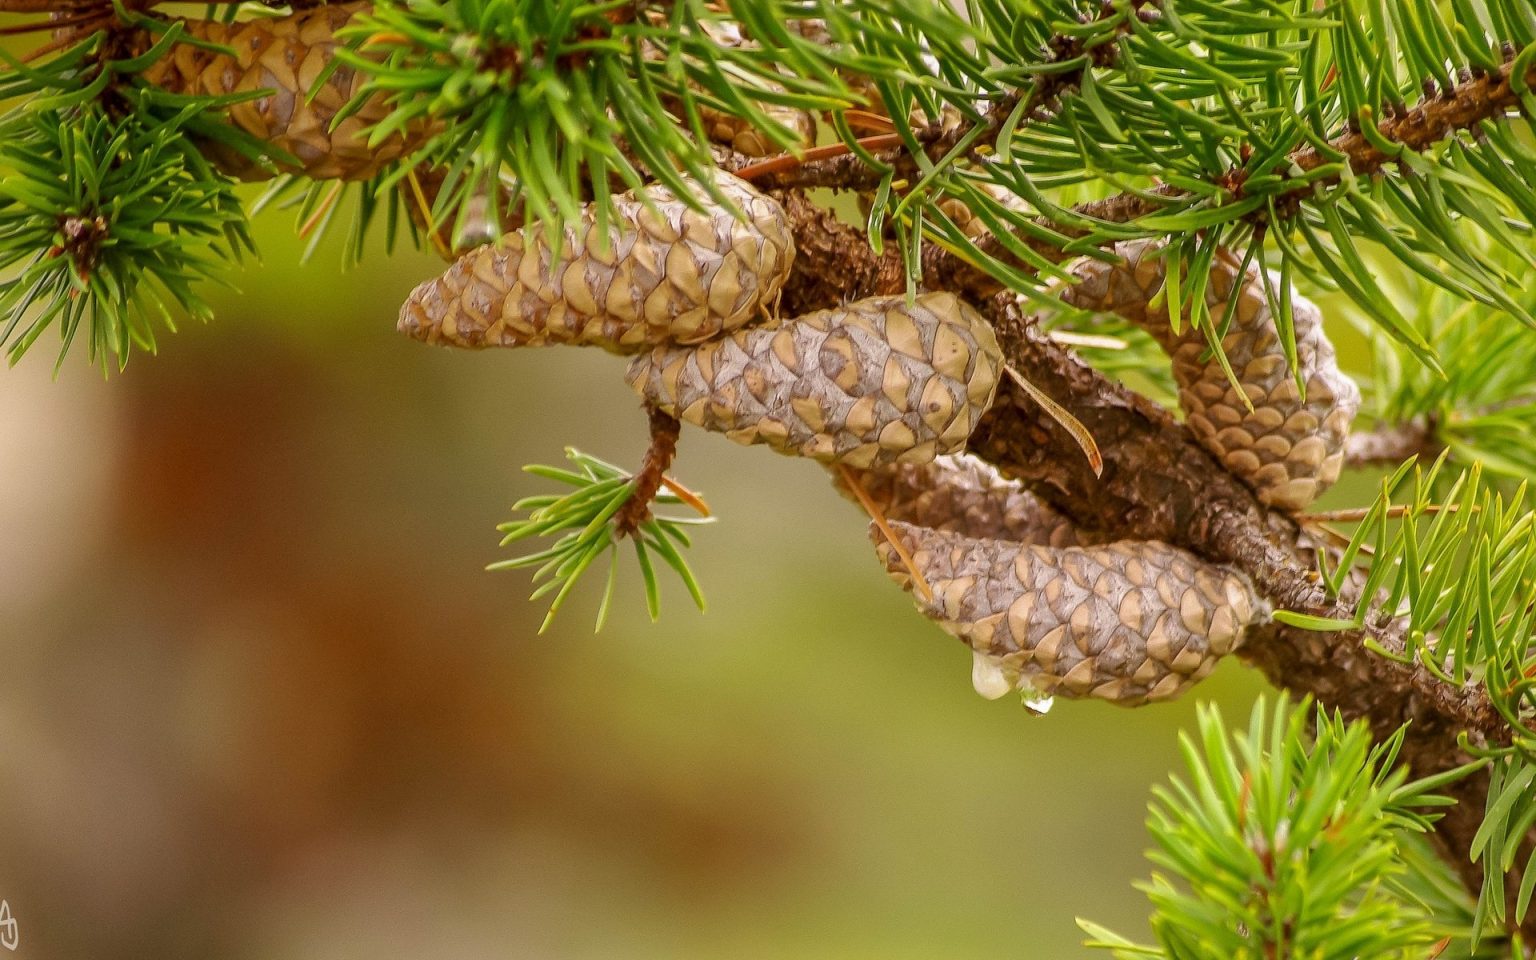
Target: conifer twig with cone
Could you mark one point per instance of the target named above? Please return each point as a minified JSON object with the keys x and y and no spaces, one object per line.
{"x":1229,"y":183}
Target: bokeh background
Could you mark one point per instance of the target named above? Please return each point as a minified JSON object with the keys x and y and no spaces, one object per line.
{"x":259,"y":699}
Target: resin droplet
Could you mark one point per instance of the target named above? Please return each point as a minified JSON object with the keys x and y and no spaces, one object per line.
{"x":989,"y":677}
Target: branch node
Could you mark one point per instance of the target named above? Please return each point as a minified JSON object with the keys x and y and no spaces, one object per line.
{"x":637,"y":510}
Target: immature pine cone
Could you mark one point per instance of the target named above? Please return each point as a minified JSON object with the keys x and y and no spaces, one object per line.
{"x":874,"y":383}
{"x":1287,"y":449}
{"x":285,"y":55}
{"x":1129,"y":622}
{"x":671,"y":274}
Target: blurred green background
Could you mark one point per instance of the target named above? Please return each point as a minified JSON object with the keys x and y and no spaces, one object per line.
{"x":259,"y":699}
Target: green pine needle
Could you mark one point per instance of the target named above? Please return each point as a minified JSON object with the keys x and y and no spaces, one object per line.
{"x":1508,"y":818}
{"x":1285,"y":840}
{"x":582,"y":523}
{"x":317,"y":207}
{"x":107,"y":224}
{"x":1456,"y":560}
{"x":1483,"y":405}
{"x":531,"y":102}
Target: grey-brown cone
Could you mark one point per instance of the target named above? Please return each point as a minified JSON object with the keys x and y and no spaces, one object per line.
{"x":1288,"y":449}
{"x":670,"y":274}
{"x":877,"y":382}
{"x":1129,"y":622}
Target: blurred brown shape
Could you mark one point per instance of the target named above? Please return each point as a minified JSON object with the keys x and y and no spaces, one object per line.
{"x":261,"y":682}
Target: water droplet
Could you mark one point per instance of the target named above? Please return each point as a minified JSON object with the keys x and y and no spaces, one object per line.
{"x":1035,"y":701}
{"x":1039,"y":706}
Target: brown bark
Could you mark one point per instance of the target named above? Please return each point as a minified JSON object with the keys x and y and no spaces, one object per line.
{"x":1391,"y":444}
{"x":658,"y":459}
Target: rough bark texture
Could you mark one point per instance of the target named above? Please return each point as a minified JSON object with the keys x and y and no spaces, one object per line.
{"x":961,"y":494}
{"x":658,"y":459}
{"x":823,"y":276}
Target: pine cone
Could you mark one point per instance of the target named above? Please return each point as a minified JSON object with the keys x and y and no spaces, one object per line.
{"x":747,"y":140}
{"x":874,"y":383}
{"x":1129,"y":622}
{"x":1289,"y":450}
{"x":285,"y":55}
{"x":963,"y":494}
{"x":670,"y":274}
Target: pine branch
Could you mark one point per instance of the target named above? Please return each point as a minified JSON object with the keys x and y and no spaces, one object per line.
{"x":1158,"y":484}
{"x":107,"y":224}
{"x":590,"y":521}
{"x":1480,"y":97}
{"x":1294,"y":803}
{"x":1391,"y":444}
{"x":820,"y":234}
{"x":658,"y":458}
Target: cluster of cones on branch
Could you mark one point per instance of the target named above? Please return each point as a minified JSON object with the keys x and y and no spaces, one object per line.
{"x":885,"y":391}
